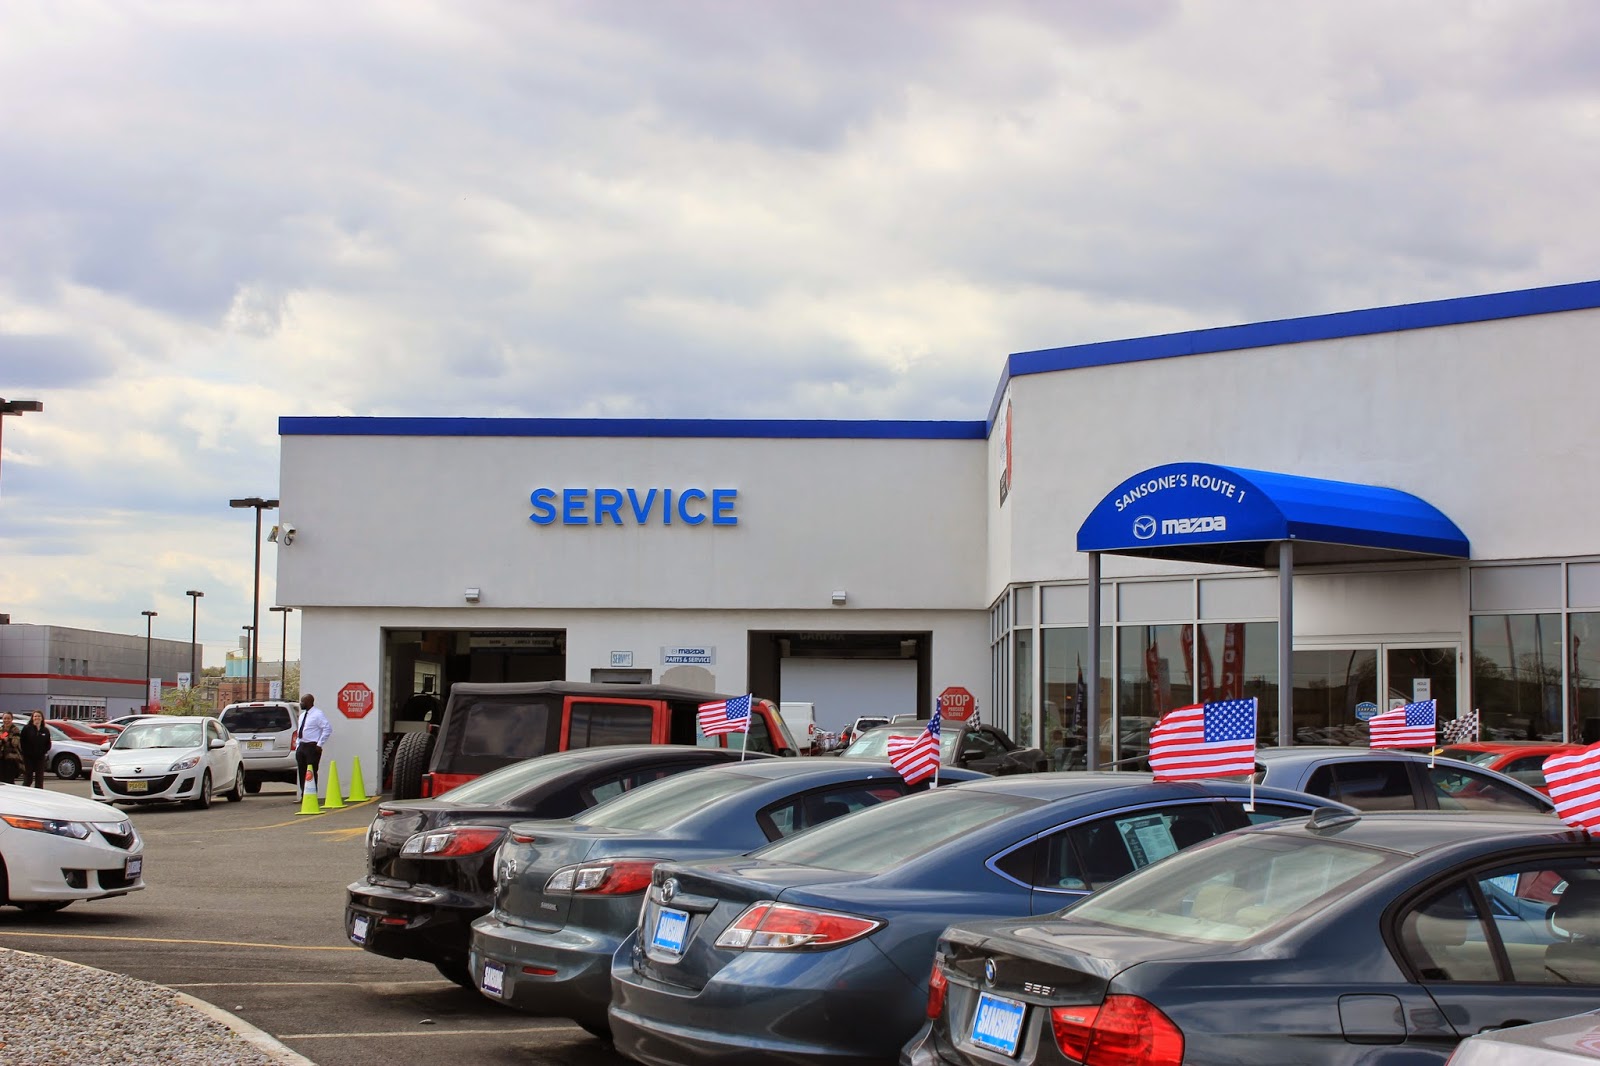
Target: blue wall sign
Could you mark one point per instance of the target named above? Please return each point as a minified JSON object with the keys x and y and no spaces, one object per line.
{"x":623,"y":507}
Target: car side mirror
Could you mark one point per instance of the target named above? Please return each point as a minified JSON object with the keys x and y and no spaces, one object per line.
{"x":217,"y":743}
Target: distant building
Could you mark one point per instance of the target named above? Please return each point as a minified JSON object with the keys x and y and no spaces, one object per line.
{"x":82,"y":673}
{"x":234,"y":687}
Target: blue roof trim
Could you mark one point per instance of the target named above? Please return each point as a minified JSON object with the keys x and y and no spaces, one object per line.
{"x":1578,"y":296}
{"x":750,"y":428}
{"x":1186,"y":508}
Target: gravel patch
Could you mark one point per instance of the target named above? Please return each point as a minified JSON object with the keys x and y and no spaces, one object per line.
{"x":57,"y":1013}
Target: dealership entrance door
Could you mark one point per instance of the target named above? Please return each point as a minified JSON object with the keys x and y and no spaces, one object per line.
{"x":1336,"y":690}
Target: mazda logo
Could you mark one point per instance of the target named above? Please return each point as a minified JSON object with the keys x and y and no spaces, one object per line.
{"x":669,"y":889}
{"x":988,"y":972}
{"x":1144,"y":527}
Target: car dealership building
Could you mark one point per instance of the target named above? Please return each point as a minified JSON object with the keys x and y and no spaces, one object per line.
{"x":1380,"y":505}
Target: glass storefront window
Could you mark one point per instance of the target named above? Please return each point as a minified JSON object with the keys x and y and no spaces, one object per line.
{"x":1585,"y":675}
{"x":1239,"y":660}
{"x":1333,"y":689}
{"x":1516,"y":675}
{"x":1154,"y":676}
{"x":1023,"y":734}
{"x":1065,"y":716}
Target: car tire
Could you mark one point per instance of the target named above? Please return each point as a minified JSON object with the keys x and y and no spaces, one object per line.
{"x":202,"y":799}
{"x":252,"y":785}
{"x":236,"y":793}
{"x":457,"y":972}
{"x":46,"y":906}
{"x":67,"y":767}
{"x":410,"y":763}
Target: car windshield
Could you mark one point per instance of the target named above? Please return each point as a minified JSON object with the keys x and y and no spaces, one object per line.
{"x":882,"y":836}
{"x":663,"y":802}
{"x":159,"y":735}
{"x":1478,"y":758}
{"x":500,"y":785}
{"x":874,"y":744}
{"x":1233,"y":889}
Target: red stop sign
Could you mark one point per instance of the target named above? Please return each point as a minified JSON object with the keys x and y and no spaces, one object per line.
{"x":355,"y":700}
{"x":957,"y":704}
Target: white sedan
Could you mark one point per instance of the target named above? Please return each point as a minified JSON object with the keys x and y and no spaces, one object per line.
{"x":68,"y":758}
{"x":170,"y":759}
{"x":56,"y":848}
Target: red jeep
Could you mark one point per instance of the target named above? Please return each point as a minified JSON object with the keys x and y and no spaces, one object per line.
{"x":487,"y":726}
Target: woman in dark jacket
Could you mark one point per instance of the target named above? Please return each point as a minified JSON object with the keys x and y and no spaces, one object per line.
{"x":35,"y":749}
{"x":10,"y":749}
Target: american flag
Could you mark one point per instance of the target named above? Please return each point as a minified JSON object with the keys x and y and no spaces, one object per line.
{"x":917,"y":758}
{"x":1411,"y":726}
{"x":1574,"y":780}
{"x":1205,"y":740}
{"x":1460,"y":730}
{"x":726,"y":716}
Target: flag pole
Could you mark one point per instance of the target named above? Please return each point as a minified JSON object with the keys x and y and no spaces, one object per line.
{"x":749,"y":712}
{"x":1255,"y":712}
{"x":938,"y":748}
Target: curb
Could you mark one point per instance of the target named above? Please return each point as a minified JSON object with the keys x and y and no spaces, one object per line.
{"x":259,"y":1039}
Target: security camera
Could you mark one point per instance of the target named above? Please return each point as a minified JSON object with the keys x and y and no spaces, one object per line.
{"x":288,"y":536}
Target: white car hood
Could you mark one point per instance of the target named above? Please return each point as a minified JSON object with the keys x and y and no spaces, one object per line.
{"x":43,"y":803}
{"x":149,"y":760}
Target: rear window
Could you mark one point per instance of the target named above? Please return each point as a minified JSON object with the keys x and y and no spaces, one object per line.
{"x":598,"y":725}
{"x":497,"y":786}
{"x":661,"y":803}
{"x":483,"y":733}
{"x":257,"y":719}
{"x":878,"y":838}
{"x":1232,"y":889}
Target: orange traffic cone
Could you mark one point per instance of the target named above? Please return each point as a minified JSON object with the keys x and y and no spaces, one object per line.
{"x":308,"y":795}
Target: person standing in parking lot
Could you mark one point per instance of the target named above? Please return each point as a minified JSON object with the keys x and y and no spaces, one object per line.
{"x":315,"y":729}
{"x":35,"y":749}
{"x":10,"y":749}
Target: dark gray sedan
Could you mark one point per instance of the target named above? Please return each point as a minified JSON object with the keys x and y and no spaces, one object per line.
{"x":818,"y":949}
{"x":1355,"y":940}
{"x":1395,"y":780}
{"x":567,"y":893}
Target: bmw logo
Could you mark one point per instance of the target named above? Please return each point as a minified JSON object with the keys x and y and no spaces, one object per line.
{"x":669,"y":889}
{"x":1144,"y":527}
{"x":988,"y":972}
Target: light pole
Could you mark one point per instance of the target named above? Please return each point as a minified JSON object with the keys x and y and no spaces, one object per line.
{"x":194,"y":643}
{"x":18,"y":407}
{"x":149,"y":621}
{"x":283,"y":660}
{"x":250,"y":649}
{"x":255,"y":603}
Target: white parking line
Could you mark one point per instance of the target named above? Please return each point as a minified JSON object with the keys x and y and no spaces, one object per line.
{"x":409,"y":1033}
{"x":434,"y":983}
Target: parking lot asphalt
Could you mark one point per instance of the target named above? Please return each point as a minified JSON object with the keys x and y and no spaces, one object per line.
{"x":244,"y":909}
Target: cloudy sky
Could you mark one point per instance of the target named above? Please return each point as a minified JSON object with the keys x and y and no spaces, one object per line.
{"x":214,"y":214}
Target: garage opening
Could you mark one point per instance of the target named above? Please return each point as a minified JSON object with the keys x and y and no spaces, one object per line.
{"x":844,"y":674}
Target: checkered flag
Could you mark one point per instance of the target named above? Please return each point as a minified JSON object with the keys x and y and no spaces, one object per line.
{"x":1461,"y":730}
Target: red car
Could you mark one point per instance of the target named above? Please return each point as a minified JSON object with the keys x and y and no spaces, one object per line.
{"x":1521,"y":759}
{"x":81,"y":731}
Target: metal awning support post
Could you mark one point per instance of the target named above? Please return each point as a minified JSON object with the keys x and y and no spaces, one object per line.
{"x":1091,"y":718}
{"x":1285,"y":642}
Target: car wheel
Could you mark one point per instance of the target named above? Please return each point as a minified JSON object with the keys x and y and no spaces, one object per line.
{"x":202,"y":799}
{"x":252,"y":785}
{"x":236,"y":793}
{"x":67,"y":767}
{"x":43,"y":906}
{"x":456,"y":971}
{"x":410,"y":763}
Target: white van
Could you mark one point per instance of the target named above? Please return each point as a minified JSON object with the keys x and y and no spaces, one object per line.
{"x":801,"y":720}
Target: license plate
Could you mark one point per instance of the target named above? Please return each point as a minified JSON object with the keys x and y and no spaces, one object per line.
{"x":133,"y":867}
{"x":997,"y":1025}
{"x":256,"y":745}
{"x":494,"y":979}
{"x":138,"y":786}
{"x":358,"y":929}
{"x":672,"y":930}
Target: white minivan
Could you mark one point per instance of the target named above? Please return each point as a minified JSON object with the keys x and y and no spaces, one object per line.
{"x":266,"y":731}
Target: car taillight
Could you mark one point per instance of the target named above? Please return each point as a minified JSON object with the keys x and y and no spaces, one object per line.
{"x":449,"y":843}
{"x":768,"y":926}
{"x":938,"y":984}
{"x":615,"y":877}
{"x":1122,"y":1031}
{"x":522,"y":838}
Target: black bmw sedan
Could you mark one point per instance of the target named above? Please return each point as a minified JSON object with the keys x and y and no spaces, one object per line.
{"x":1379,"y":939}
{"x":430,"y":861}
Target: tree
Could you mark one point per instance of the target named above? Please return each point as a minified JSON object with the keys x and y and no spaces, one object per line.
{"x":189,"y":701}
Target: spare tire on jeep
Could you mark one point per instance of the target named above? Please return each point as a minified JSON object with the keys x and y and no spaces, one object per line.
{"x":411,"y":759}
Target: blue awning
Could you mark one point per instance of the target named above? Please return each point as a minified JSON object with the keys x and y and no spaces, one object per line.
{"x":1199,"y":512}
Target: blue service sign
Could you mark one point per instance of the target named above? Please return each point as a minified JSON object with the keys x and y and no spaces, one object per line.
{"x":1366,"y":711}
{"x":635,"y":507}
{"x":1182,"y":503}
